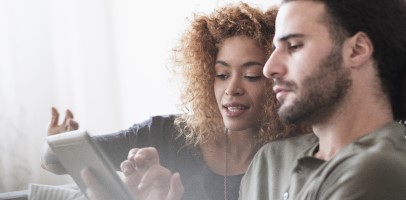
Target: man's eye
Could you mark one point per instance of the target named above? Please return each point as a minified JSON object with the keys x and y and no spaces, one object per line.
{"x":222,"y":76}
{"x":294,"y":47}
{"x":253,"y":78}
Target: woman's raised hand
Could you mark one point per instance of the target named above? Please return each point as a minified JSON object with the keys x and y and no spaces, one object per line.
{"x":68,"y":124}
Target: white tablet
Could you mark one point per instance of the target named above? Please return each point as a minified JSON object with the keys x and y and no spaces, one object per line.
{"x":76,"y":150}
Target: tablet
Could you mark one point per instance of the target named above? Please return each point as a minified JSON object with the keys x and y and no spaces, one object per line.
{"x":76,"y":150}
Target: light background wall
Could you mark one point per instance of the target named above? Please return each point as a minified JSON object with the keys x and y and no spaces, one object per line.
{"x":104,"y":59}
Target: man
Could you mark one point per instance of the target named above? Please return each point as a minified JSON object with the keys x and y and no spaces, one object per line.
{"x":338,"y":66}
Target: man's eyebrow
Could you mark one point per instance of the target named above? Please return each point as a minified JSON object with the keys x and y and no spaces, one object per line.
{"x":286,"y":37}
{"x":289,"y":36}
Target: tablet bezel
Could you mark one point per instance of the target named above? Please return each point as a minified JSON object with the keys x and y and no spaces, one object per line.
{"x":76,"y":150}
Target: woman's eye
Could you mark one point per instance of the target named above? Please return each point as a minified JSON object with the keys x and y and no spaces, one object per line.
{"x":253,"y":78}
{"x":222,"y":76}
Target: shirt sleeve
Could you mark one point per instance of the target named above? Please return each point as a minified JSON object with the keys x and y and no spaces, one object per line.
{"x":155,"y":132}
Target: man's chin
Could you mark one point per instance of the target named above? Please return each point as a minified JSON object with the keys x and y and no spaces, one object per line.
{"x":284,"y":114}
{"x":290,"y":115}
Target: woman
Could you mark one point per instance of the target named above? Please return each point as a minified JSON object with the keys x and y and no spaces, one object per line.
{"x":229,"y":107}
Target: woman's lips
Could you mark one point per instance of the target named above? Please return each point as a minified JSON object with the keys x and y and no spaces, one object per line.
{"x":234,"y":109}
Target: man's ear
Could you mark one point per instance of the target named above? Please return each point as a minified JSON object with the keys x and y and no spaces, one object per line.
{"x":358,"y":50}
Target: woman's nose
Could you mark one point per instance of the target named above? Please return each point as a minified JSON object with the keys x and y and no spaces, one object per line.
{"x":234,"y":88}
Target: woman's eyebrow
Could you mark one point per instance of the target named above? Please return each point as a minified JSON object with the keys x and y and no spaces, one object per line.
{"x":222,"y":63}
{"x":245,"y":65}
{"x":253,"y":63}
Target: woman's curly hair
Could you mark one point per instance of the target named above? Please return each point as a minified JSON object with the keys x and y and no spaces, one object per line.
{"x":195,"y":59}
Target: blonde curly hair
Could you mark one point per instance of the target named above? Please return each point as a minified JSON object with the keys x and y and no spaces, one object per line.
{"x":194,"y":61}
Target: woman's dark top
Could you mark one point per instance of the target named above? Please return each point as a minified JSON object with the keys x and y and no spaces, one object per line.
{"x":199,"y":181}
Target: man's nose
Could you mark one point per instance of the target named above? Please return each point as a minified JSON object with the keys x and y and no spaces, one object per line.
{"x":274,"y":67}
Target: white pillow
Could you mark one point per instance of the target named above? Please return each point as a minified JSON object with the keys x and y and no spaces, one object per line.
{"x":50,"y":192}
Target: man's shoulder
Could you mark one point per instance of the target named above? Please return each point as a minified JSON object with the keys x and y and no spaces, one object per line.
{"x":382,"y":160}
{"x":369,"y":174}
{"x":385,"y":147}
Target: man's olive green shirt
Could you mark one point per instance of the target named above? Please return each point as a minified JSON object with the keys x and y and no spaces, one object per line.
{"x":371,"y":168}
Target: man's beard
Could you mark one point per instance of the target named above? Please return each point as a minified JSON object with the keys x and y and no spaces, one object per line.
{"x":321,"y":92}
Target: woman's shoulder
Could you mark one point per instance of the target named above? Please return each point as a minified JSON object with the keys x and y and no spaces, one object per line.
{"x":169,"y":118}
{"x":157,"y":122}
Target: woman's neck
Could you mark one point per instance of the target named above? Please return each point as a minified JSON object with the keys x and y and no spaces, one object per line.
{"x":238,"y":147}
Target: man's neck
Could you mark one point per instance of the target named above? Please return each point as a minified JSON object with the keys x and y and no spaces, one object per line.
{"x":356,"y":118}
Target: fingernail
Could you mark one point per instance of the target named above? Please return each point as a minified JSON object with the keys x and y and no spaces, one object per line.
{"x":83,"y":173}
{"x":126,"y":169}
{"x":141,"y":186}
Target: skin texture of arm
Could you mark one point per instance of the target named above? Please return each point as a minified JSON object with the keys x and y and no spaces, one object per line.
{"x":48,"y":158}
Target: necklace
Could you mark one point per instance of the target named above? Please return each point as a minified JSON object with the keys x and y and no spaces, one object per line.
{"x":225,"y":164}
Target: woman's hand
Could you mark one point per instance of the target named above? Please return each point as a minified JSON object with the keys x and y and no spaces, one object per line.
{"x":147,"y":179}
{"x":68,"y":124}
{"x":95,"y":189}
{"x":49,"y":161}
